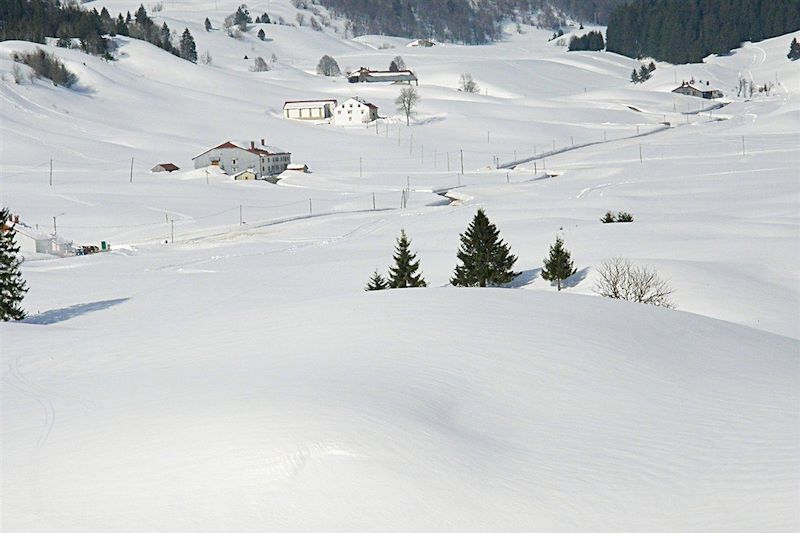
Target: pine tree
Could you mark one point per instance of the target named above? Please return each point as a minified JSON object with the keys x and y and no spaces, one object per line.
{"x":141,"y":16}
{"x":794,"y":50}
{"x":376,"y":282}
{"x":635,"y":76}
{"x":12,"y":286}
{"x":261,"y":34}
{"x":485,"y":259}
{"x":403,"y":274}
{"x":558,"y":266}
{"x":166,"y":39}
{"x":188,"y":50}
{"x":644,"y":74}
{"x":208,"y":24}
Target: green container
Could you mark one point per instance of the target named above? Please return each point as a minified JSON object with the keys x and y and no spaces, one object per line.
{"x":103,"y":245}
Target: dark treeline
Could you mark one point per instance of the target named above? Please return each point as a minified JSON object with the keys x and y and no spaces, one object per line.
{"x":463,"y":21}
{"x":591,"y":41}
{"x":685,"y":31}
{"x":34,"y":20}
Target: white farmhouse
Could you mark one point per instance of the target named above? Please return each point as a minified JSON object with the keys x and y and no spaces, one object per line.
{"x":233,"y":156}
{"x":308,"y":109}
{"x":354,"y":111}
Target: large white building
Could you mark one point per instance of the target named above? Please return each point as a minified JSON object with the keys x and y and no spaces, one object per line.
{"x":308,"y":109}
{"x":232,"y":157}
{"x":354,"y":111}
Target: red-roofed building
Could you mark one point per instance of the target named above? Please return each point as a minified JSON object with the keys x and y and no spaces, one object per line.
{"x":233,"y":157}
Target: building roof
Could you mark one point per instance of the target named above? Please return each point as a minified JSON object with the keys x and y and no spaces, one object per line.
{"x":248,"y":146}
{"x":302,"y":104}
{"x":384,"y":75}
{"x":169,"y":167}
{"x":245,"y":171}
{"x":361,"y":101}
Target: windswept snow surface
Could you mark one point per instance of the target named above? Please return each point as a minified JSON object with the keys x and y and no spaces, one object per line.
{"x":238,"y":378}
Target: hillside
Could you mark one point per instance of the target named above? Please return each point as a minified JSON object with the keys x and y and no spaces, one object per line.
{"x":222,"y":369}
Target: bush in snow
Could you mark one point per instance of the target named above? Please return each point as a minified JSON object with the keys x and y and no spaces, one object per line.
{"x":622,"y":280}
{"x":328,"y":66}
{"x":259,"y":65}
{"x":46,"y":65}
{"x":467,"y":84}
{"x":315,"y":25}
{"x":608,"y":218}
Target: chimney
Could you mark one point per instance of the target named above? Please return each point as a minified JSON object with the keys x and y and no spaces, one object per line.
{"x":252,"y":145}
{"x":263,"y":143}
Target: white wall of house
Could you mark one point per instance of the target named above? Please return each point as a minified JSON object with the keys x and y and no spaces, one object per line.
{"x":353,"y":111}
{"x":233,"y":160}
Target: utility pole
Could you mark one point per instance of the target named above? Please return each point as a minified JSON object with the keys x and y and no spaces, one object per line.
{"x":462,"y":160}
{"x":240,"y":215}
{"x":535,"y":170}
{"x":742,"y":145}
{"x":448,"y":161}
{"x":488,"y":138}
{"x":554,"y":145}
{"x":51,"y":172}
{"x":373,"y":201}
{"x":411,"y":144}
{"x":515,"y":155}
{"x":172,"y":231}
{"x":131,"y":170}
{"x":55,"y":230}
{"x":207,"y":182}
{"x":360,"y":168}
{"x":310,"y":211}
{"x":434,"y":158}
{"x":640,"y":152}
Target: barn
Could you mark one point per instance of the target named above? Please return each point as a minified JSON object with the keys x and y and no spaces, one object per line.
{"x":308,"y":109}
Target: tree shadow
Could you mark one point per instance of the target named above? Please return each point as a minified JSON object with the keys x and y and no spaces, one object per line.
{"x":526,"y":277}
{"x":576,"y":278}
{"x":54,"y":316}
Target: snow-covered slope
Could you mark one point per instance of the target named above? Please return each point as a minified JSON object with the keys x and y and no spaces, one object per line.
{"x":238,"y":379}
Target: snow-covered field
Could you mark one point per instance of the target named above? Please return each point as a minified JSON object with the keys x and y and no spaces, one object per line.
{"x":239,"y":379}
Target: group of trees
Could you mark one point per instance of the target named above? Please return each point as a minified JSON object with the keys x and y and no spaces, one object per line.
{"x":397,"y":64}
{"x":685,"y":31}
{"x":485,"y":260}
{"x":622,"y":216}
{"x":644,"y":73}
{"x":34,"y":20}
{"x":590,"y":41}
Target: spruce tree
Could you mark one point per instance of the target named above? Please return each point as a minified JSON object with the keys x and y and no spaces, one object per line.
{"x":794,"y":50}
{"x":635,"y":76}
{"x":166,"y":39}
{"x":558,"y":266}
{"x":188,"y":50}
{"x":403,"y":273}
{"x":261,"y":34}
{"x":376,"y":282}
{"x":208,"y":24}
{"x":12,"y":286}
{"x":485,"y":259}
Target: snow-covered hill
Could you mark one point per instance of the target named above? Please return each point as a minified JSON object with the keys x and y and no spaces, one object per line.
{"x":239,"y":379}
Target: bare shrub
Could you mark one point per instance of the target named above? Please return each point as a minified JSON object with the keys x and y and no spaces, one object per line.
{"x":622,"y":280}
{"x":259,"y":65}
{"x":17,"y":74}
{"x":315,"y":25}
{"x":205,"y":58}
{"x":467,"y":84}
{"x":301,"y":19}
{"x":48,"y":66}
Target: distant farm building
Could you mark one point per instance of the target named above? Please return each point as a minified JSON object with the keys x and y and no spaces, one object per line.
{"x":233,"y":157}
{"x":354,"y":111}
{"x":31,"y":242}
{"x":365,"y":75}
{"x":706,"y":92}
{"x":308,"y":109}
{"x":165,"y":167}
{"x":297,"y":167}
{"x":422,"y":43}
{"x":244,"y":175}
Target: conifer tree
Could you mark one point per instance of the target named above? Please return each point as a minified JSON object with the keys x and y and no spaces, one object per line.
{"x":403,"y":273}
{"x":635,"y":76}
{"x":794,"y":50}
{"x":558,"y":266}
{"x":485,"y":259}
{"x":376,"y":282}
{"x":166,"y":39}
{"x":12,"y":286}
{"x":188,"y":50}
{"x":261,"y":34}
{"x":208,"y":24}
